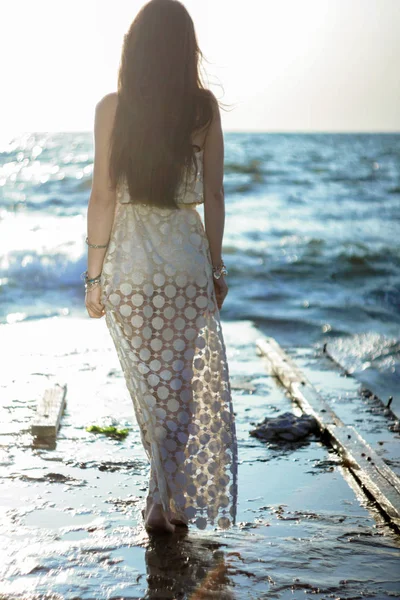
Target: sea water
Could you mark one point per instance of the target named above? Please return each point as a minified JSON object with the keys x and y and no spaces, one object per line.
{"x":311,"y":242}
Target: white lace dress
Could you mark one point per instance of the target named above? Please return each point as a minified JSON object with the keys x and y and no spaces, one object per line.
{"x":161,"y":311}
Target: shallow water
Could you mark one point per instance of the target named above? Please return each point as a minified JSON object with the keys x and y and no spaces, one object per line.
{"x":70,"y":524}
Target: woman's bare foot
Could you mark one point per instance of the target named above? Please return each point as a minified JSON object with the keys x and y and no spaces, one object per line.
{"x":179,"y":522}
{"x":157,"y":521}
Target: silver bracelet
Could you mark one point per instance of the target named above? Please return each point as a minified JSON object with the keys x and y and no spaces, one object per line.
{"x":220,"y":270}
{"x":91,"y":286}
{"x":96,"y":245}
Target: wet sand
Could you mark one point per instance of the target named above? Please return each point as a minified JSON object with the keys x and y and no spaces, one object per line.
{"x":70,"y":522}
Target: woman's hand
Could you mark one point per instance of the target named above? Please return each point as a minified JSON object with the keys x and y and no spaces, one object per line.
{"x":93,"y":304}
{"x":221,"y":290}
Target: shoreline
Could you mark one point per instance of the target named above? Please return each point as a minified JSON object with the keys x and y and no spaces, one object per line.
{"x":80,"y":502}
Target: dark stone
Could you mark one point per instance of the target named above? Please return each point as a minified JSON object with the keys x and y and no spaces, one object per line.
{"x":286,"y":427}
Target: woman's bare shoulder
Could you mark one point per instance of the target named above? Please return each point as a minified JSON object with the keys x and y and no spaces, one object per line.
{"x":201,"y":132}
{"x":215,"y":106}
{"x":108,"y":103}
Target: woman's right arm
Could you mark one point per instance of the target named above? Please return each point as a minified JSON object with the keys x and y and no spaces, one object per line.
{"x":214,"y":197}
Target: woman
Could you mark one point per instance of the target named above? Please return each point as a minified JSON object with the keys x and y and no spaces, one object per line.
{"x":157,"y":273}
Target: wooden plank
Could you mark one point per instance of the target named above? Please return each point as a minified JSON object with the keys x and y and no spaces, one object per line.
{"x":303,"y":392}
{"x":367,"y":467}
{"x":281,"y":364}
{"x":370,"y":470}
{"x":48,"y":412}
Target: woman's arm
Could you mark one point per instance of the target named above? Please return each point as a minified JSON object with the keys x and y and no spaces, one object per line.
{"x":214,"y":199}
{"x":102,"y":199}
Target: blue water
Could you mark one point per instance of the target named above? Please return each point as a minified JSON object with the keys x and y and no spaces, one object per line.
{"x":312,"y":237}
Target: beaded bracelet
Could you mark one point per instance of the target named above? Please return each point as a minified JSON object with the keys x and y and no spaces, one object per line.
{"x":90,"y":280}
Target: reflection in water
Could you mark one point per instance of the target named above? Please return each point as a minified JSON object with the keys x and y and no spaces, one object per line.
{"x":179,"y":566}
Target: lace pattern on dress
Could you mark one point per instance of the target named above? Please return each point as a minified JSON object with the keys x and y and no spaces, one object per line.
{"x":161,"y":311}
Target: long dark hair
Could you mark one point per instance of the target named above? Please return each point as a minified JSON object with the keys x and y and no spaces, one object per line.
{"x":161,"y":102}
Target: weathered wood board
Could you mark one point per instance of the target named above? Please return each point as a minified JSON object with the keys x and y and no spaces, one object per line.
{"x":49,"y":409}
{"x":368,"y":468}
{"x":305,"y":394}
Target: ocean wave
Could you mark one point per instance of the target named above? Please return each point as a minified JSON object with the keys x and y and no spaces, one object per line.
{"x":386,"y":294}
{"x":310,"y":238}
{"x":34,"y":271}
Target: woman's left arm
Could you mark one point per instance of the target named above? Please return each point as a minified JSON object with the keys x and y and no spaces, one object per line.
{"x":102,"y":199}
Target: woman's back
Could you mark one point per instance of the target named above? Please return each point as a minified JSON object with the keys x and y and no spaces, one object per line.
{"x":190,"y":191}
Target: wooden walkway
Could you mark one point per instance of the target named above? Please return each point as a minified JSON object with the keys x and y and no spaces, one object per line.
{"x":371,"y":472}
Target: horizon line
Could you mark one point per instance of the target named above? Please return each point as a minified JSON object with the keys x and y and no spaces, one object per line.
{"x":243,"y":131}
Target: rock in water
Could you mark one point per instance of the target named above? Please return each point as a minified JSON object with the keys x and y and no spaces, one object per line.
{"x":286,"y":427}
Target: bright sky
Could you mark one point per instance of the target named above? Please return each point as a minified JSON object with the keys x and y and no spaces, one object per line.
{"x":287,"y":65}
